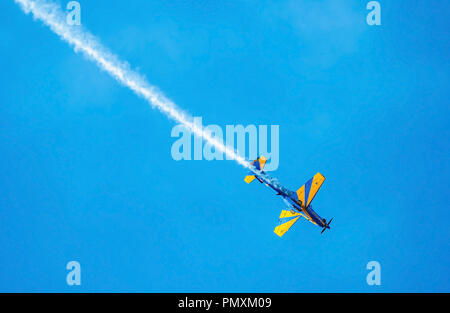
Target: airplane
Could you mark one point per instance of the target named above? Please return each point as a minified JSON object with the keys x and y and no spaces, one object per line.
{"x":298,"y":203}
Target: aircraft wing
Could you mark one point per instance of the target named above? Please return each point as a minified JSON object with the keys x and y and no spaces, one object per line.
{"x":308,"y":191}
{"x":287,"y":219}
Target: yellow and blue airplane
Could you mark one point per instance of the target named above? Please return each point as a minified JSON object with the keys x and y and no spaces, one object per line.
{"x":298,"y":203}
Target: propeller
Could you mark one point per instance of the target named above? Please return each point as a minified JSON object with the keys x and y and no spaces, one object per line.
{"x":327,"y":226}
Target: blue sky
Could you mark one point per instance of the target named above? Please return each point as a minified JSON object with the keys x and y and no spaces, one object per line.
{"x":86,"y":172}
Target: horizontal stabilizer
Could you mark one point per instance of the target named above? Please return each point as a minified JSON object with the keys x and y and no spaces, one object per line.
{"x":249,"y":178}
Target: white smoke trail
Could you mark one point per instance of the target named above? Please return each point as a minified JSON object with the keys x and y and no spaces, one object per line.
{"x":82,"y":41}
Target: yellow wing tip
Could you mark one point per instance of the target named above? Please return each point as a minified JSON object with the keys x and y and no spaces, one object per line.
{"x":279,"y":232}
{"x":323,"y":177}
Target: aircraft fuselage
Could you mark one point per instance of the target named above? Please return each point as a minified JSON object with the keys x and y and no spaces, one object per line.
{"x":291,"y":198}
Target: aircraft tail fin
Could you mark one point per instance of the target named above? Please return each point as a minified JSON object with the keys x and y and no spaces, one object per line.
{"x":259,"y":165}
{"x":286,"y":221}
